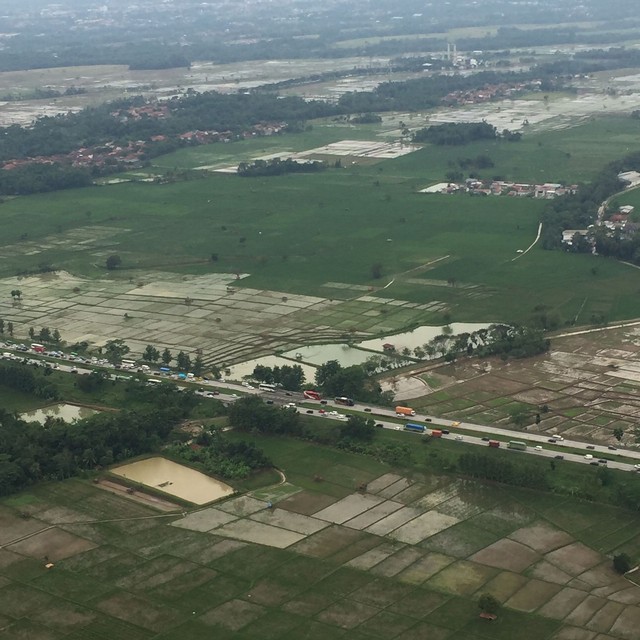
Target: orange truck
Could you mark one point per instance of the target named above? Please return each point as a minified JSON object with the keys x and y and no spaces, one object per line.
{"x":436,"y":433}
{"x":405,"y":411}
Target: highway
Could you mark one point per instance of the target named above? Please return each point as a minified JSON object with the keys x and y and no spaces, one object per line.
{"x":206,"y":388}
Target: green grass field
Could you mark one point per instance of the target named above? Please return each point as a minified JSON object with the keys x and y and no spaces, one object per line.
{"x":295,"y":233}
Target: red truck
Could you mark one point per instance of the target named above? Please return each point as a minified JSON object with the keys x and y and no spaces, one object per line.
{"x":311,"y":395}
{"x":494,"y":443}
{"x":436,"y":433}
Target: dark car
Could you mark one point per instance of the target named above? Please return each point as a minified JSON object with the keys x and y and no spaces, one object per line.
{"x":445,"y":432}
{"x":269,"y":401}
{"x":486,"y":439}
{"x":309,"y":410}
{"x":323,"y":402}
{"x":286,"y":393}
{"x":590,"y":446}
{"x":611,"y":448}
{"x":603,"y":461}
{"x":427,"y":419}
{"x":380,"y":425}
{"x":552,"y":440}
{"x":594,"y":463}
{"x":367,"y":409}
{"x":559,"y":457}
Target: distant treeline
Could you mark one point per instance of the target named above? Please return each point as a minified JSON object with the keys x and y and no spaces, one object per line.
{"x":39,"y":178}
{"x":277,"y":167}
{"x":456,"y":133}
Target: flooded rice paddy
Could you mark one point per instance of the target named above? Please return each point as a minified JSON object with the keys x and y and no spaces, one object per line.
{"x":174,"y":479}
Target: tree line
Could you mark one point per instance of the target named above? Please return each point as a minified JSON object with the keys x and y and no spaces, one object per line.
{"x":579,"y":210}
{"x":456,"y":133}
{"x":278,"y":167}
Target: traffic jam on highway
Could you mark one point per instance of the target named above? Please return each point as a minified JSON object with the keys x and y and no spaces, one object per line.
{"x":311,"y":402}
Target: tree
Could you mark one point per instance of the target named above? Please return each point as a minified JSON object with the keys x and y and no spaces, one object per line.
{"x":113,"y":262}
{"x":32,"y":333}
{"x":376,"y":270}
{"x":1,"y":326}
{"x":115,"y":350}
{"x":10,"y":328}
{"x":16,"y":293}
{"x":520,"y":416}
{"x":358,"y":428}
{"x":151,"y":354}
{"x":327,"y":370}
{"x":622,"y":563}
{"x":56,"y":337}
{"x":166,"y":357}
{"x":198,"y":366}
{"x":488,"y":604}
{"x":45,"y":334}
{"x":618,"y":432}
{"x":183,"y":361}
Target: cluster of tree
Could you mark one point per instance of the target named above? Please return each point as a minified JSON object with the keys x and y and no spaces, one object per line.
{"x":358,"y":428}
{"x":621,"y":245}
{"x":278,"y":167}
{"x":219,"y":456}
{"x":424,"y":93}
{"x":366,"y":118}
{"x":354,"y":382}
{"x":30,"y":453}
{"x":39,"y":178}
{"x":42,"y":93}
{"x":456,"y":133}
{"x":45,"y":335}
{"x":289,"y":377}
{"x":9,"y":327}
{"x":489,"y":467}
{"x":481,"y":161}
{"x":579,"y":210}
{"x":253,"y":415}
{"x":211,"y":111}
{"x":20,"y":378}
{"x":508,"y":341}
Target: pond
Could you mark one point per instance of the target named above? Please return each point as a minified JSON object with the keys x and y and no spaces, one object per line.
{"x":68,"y":412}
{"x":314,"y":355}
{"x":174,"y":479}
{"x":420,"y":336}
{"x":320,"y":353}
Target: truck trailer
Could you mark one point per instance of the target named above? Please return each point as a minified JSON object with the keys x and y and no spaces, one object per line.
{"x":517,"y":445}
{"x":418,"y":428}
{"x":436,"y":433}
{"x":405,"y":411}
{"x":494,"y":443}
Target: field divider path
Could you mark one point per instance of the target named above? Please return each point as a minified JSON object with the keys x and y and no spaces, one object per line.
{"x":533,"y":244}
{"x":83,"y":522}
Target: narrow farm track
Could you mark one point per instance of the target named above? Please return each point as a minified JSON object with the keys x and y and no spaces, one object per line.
{"x":533,"y":244}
